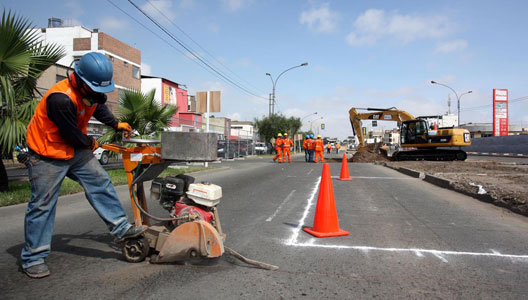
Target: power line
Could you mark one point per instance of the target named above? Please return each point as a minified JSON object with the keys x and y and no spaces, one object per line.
{"x":157,"y":35}
{"x":228,"y":80}
{"x":202,"y":48}
{"x":488,"y":105}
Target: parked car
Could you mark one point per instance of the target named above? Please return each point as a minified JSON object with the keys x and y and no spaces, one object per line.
{"x":261,"y":148}
{"x":102,"y":155}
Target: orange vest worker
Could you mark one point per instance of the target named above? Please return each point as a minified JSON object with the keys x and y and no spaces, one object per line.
{"x":319,"y":148}
{"x":286,"y":144}
{"x":278,"y":148}
{"x":43,"y":135}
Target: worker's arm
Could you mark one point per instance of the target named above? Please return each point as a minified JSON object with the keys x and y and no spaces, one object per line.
{"x":62,"y":112}
{"x":103,"y":115}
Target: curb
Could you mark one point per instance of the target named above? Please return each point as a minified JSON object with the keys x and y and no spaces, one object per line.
{"x":498,"y":154}
{"x":451,"y":185}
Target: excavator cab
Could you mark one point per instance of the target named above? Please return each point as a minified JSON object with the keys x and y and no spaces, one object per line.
{"x":414,"y":132}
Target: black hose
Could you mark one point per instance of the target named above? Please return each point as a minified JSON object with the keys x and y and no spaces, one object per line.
{"x":139,"y":206}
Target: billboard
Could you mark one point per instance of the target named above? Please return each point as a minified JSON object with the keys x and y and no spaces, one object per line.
{"x":500,"y":112}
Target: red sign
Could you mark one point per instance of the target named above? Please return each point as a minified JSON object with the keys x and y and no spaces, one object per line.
{"x":500,"y":112}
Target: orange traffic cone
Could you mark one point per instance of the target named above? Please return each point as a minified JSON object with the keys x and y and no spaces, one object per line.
{"x":435,"y":128}
{"x":344,"y":170}
{"x":325,"y":221}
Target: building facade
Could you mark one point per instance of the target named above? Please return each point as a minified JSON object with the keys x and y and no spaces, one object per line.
{"x":78,"y":40}
{"x":168,"y":92}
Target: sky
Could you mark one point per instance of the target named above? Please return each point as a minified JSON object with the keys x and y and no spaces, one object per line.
{"x":360,"y":53}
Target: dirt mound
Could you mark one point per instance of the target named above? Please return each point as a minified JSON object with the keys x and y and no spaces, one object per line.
{"x":367,"y":157}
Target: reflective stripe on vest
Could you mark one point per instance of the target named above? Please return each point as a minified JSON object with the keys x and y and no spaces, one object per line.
{"x":43,"y":135}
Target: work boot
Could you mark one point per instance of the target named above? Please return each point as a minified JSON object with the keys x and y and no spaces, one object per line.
{"x":132,"y":232}
{"x":37,"y":271}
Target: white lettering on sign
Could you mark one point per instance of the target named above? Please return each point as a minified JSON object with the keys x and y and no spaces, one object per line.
{"x":387,"y":117}
{"x":501,"y":95}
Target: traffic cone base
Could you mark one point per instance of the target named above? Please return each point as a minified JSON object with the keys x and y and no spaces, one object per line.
{"x":339,"y":232}
{"x":325,"y":223}
{"x":345,"y":175}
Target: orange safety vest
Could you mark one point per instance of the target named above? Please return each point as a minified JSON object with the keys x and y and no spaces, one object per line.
{"x":318,"y":145}
{"x":43,"y":135}
{"x":305,"y":144}
{"x":278,"y":142}
{"x":286,"y":143}
{"x":328,"y":146}
{"x":310,"y":144}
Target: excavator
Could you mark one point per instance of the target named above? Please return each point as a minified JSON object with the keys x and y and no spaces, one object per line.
{"x":418,"y":141}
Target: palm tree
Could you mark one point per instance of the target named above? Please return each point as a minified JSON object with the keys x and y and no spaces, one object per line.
{"x":23,"y":59}
{"x":144,"y":115}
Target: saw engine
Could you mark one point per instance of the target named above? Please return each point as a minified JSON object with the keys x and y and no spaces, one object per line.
{"x":185,"y":200}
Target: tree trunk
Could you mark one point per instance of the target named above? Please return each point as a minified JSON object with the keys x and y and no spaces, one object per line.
{"x":3,"y":177}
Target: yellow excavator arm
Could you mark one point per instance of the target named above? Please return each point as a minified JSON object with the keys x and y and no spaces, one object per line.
{"x":379,"y":114}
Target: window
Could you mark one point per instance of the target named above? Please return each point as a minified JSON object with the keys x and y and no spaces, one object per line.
{"x":136,"y":72}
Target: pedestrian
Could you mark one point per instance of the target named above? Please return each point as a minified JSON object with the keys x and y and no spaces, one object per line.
{"x":278,"y":148}
{"x":59,"y":147}
{"x":311,"y":148}
{"x":319,"y":148}
{"x":286,"y":144}
{"x":337,"y":147}
{"x":328,"y":148}
{"x":306,"y":150}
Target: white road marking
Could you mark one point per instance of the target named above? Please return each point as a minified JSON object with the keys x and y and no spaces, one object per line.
{"x":280,"y":206}
{"x":310,"y":171}
{"x":292,"y":241}
{"x":295,"y":234}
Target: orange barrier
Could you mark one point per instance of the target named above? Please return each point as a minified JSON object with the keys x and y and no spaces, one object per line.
{"x":345,"y":175}
{"x":325,"y":221}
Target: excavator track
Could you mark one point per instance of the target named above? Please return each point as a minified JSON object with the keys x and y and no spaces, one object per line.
{"x":433,"y":154}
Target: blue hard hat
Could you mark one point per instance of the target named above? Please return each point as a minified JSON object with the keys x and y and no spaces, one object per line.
{"x":96,"y":71}
{"x":311,"y":136}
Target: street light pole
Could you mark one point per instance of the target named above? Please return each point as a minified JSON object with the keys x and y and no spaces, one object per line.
{"x":314,"y":121}
{"x":274,"y":83}
{"x":458,"y":97}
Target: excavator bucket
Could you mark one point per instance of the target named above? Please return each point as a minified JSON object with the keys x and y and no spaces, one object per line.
{"x":190,"y":240}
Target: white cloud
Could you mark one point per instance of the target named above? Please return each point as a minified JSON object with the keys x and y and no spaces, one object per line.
{"x":156,"y":6}
{"x":321,"y":19}
{"x":451,"y":46}
{"x":374,"y":25}
{"x":146,"y":69}
{"x":108,"y":23}
{"x":235,"y":5}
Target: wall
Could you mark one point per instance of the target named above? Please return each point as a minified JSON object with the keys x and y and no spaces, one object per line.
{"x":500,"y":144}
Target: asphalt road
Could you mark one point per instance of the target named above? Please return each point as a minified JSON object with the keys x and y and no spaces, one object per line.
{"x":408,"y":239}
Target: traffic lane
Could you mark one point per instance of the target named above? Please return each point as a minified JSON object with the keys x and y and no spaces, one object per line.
{"x":387,"y":219}
{"x":81,"y":246}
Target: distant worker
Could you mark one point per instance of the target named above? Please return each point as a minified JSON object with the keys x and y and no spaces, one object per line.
{"x":319,"y":148}
{"x":59,"y":148}
{"x":305,"y":147}
{"x":311,"y":148}
{"x":278,"y":148}
{"x":337,"y":148}
{"x":286,"y":144}
{"x":328,"y":148}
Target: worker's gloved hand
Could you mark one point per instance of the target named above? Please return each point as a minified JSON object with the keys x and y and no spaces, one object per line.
{"x":95,"y":145}
{"x":124,"y":126}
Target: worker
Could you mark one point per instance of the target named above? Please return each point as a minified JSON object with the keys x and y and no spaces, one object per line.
{"x":286,"y":144}
{"x":306,"y":150}
{"x":311,"y":148}
{"x":59,"y":147}
{"x":337,"y":147}
{"x":278,"y":148}
{"x":319,"y":148}
{"x":328,"y":148}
